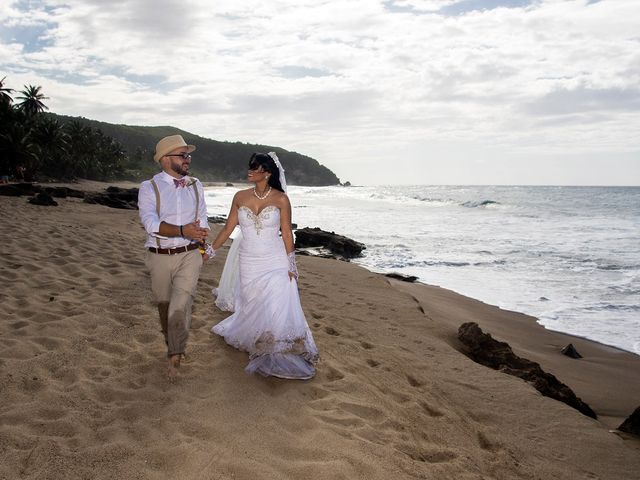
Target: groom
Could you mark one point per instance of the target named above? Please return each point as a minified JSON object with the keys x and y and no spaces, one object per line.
{"x":174,"y":215}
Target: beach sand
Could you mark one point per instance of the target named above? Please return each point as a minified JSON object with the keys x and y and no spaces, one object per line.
{"x":83,"y":393}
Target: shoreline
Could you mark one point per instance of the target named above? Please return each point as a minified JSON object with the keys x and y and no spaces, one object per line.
{"x":84,"y":394}
{"x":602,"y":370}
{"x":536,"y":319}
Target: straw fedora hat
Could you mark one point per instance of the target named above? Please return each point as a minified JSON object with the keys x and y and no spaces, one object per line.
{"x":170,"y":143}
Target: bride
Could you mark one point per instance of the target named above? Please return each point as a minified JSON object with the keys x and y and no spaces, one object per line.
{"x":268,"y":321}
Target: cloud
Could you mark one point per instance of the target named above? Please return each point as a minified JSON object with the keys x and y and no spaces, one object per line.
{"x":343,"y":80}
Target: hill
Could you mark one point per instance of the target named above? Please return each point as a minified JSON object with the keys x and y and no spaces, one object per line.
{"x":216,"y":160}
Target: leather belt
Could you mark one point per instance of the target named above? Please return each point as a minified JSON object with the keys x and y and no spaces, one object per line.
{"x":174,"y":251}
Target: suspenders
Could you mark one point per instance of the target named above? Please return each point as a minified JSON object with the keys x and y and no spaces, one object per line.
{"x":157,"y":192}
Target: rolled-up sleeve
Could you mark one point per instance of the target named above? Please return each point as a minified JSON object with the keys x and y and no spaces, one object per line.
{"x":147,"y":209}
{"x":202,"y":213}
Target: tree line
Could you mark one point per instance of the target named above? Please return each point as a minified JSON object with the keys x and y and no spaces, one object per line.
{"x":38,"y":145}
{"x":34,"y":145}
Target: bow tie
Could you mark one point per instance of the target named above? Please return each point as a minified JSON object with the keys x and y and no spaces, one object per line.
{"x":180,"y":183}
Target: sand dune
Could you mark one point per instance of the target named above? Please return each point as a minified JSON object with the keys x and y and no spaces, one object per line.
{"x":82,"y":391}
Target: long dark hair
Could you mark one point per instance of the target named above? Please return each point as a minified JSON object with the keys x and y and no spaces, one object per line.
{"x":263,"y":160}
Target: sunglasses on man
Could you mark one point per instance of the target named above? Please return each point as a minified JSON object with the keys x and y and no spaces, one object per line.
{"x":184,"y":155}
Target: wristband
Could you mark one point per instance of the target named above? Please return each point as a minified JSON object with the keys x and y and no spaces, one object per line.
{"x":181,"y":234}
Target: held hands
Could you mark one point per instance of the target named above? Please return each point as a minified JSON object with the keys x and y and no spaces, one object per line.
{"x":195,"y":232}
{"x":207,"y":251}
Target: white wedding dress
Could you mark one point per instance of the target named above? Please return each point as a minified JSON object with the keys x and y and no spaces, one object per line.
{"x":268,"y":321}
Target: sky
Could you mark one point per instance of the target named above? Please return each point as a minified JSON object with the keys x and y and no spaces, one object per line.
{"x":381,"y":92}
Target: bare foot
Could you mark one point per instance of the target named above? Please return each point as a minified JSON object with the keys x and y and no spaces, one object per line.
{"x":172,"y":368}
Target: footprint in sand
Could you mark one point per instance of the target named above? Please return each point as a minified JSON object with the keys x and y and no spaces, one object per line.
{"x":414,"y":382}
{"x":366,"y":345}
{"x":317,"y":316}
{"x":487,"y":444}
{"x":426,"y":455}
{"x":363,"y":411}
{"x":372,"y":363}
{"x":332,"y":331}
{"x":431,"y":411}
{"x":334,"y":374}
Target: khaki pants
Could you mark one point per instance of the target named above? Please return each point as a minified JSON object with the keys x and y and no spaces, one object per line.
{"x":173,"y":281}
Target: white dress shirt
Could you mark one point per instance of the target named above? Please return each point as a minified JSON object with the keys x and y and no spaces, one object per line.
{"x":177,"y":207}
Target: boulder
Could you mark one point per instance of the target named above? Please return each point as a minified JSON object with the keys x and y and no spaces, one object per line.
{"x":43,"y":199}
{"x":570,"y":351}
{"x":482,"y":348}
{"x":115,"y":197}
{"x":19,"y":189}
{"x":400,"y":276}
{"x":217,"y":219}
{"x":63,"y":192}
{"x":632,"y":423}
{"x":336,"y":244}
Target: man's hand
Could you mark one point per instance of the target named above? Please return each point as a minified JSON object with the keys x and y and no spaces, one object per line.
{"x":193,"y":231}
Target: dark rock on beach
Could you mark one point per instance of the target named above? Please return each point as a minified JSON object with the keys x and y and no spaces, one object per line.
{"x":319,"y":252}
{"x":570,"y":351}
{"x":400,"y":276}
{"x":30,"y":189}
{"x":19,"y":189}
{"x":63,"y":192}
{"x":334,"y":243}
{"x":632,"y":423}
{"x":43,"y":199}
{"x":115,"y":197}
{"x":217,"y":219}
{"x":483,"y":349}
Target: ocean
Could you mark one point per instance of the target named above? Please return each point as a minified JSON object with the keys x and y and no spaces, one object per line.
{"x":569,"y":256}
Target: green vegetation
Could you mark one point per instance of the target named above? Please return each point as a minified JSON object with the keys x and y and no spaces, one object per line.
{"x":213,"y":160}
{"x":35,"y":145}
{"x":51,"y":146}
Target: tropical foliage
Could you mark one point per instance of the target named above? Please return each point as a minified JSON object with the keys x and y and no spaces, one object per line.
{"x":212,"y":161}
{"x":51,"y":146}
{"x":45,"y":148}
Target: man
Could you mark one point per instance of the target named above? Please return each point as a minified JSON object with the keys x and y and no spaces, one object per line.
{"x":174,"y":214}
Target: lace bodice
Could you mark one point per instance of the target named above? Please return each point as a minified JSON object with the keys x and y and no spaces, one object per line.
{"x":267,"y":220}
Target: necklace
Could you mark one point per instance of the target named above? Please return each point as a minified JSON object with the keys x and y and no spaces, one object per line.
{"x":255,"y":192}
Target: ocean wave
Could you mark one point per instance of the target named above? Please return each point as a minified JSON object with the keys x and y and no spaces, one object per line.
{"x":410,"y":263}
{"x":480,"y":203}
{"x":613,"y":307}
{"x":618,"y":267}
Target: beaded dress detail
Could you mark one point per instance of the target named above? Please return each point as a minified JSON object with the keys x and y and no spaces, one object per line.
{"x":268,"y":321}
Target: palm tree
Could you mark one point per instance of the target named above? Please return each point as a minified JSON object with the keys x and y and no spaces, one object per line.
{"x":5,"y":93}
{"x":53,"y":141}
{"x":18,"y":148}
{"x":32,"y":100}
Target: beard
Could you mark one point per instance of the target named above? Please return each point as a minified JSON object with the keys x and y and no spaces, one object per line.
{"x":180,"y":168}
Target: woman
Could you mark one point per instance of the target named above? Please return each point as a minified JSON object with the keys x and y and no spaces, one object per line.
{"x":268,"y":321}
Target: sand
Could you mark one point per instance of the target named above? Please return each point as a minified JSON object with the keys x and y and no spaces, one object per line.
{"x":83,"y":393}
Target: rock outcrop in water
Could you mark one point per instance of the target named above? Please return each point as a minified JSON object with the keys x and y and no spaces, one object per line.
{"x":334,"y":243}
